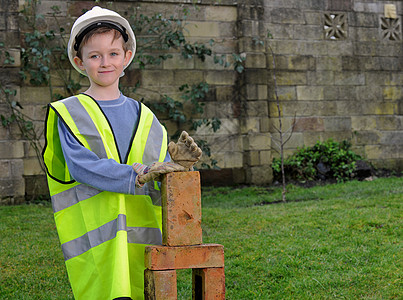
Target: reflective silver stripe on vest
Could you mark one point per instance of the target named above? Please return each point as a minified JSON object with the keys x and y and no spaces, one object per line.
{"x":154,"y":143}
{"x":86,"y":126}
{"x":152,"y":154}
{"x":108,"y":231}
{"x":72,"y":196}
{"x":149,"y":190}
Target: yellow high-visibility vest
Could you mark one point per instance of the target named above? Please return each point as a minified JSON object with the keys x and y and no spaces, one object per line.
{"x":103,"y":234}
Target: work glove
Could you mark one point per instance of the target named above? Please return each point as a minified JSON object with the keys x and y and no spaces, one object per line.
{"x":154,"y":171}
{"x":185,"y":152}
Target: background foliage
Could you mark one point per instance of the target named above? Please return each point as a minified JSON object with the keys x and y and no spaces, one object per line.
{"x":323,"y":160}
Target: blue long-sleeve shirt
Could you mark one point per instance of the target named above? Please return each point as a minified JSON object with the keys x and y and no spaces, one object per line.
{"x":105,"y":174}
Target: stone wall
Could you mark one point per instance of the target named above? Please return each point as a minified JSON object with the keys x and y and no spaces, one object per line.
{"x":338,"y":75}
{"x":339,"y":67}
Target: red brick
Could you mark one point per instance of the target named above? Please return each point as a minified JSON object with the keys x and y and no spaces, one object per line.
{"x":181,"y":209}
{"x":184,"y":257}
{"x":208,"y":284}
{"x":160,"y":285}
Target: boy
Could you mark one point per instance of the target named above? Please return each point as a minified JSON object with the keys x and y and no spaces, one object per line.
{"x":103,"y":153}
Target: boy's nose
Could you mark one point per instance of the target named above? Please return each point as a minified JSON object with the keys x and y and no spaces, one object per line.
{"x":105,"y":61}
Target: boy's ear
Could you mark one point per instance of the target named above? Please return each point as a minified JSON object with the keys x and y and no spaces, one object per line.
{"x":128,"y":55}
{"x":79,"y":63}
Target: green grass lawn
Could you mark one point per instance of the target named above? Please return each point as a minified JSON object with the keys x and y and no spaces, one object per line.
{"x":341,"y":241}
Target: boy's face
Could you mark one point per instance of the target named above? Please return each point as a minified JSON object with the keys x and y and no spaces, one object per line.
{"x":103,"y":59}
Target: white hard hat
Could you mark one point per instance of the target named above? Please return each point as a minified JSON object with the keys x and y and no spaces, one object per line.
{"x":99,"y":17}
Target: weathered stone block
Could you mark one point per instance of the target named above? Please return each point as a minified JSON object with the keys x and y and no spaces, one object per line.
{"x":252,"y":158}
{"x":349,"y":108}
{"x":250,"y":125}
{"x":316,"y":48}
{"x":360,"y":123}
{"x":266,"y":157}
{"x":257,"y":109}
{"x":76,"y":8}
{"x":337,"y":135}
{"x":222,"y":14}
{"x":250,"y":28}
{"x":17,"y":167}
{"x":284,"y":93}
{"x":337,"y":124}
{"x":288,"y":47}
{"x":256,"y":91}
{"x":349,"y":78}
{"x":187,"y":77}
{"x":208,"y":284}
{"x":257,"y":142}
{"x":186,"y":257}
{"x":310,"y":138}
{"x":265,"y":124}
{"x":260,"y":175}
{"x":366,"y":49}
{"x":178,"y":62}
{"x":255,"y":61}
{"x":329,"y":63}
{"x":32,"y":166}
{"x":392,"y":138}
{"x":313,"y":18}
{"x":181,"y":209}
{"x":233,"y":159}
{"x":256,"y":76}
{"x":373,"y":151}
{"x":389,"y":123}
{"x":225,"y":93}
{"x":34,"y":95}
{"x":11,"y":149}
{"x":160,"y":285}
{"x":293,"y":62}
{"x":287,"y":16}
{"x":365,"y":34}
{"x":221,"y":77}
{"x":14,"y":188}
{"x":291,"y":78}
{"x":324,"y":78}
{"x":367,"y":137}
{"x":157,"y":78}
{"x":307,"y":32}
{"x":392,"y":93}
{"x":364,"y":19}
{"x":309,"y":124}
{"x":310,"y":92}
{"x":369,"y":93}
{"x":203,"y":29}
{"x":379,"y":108}
{"x":343,"y":5}
{"x":5,"y":170}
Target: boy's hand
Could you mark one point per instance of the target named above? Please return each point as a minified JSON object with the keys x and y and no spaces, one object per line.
{"x":152,"y":172}
{"x":185,"y":152}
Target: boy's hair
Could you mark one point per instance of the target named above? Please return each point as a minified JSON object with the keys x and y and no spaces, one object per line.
{"x":100,"y":30}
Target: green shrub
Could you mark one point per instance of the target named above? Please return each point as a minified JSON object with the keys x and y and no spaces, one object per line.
{"x":324,"y":160}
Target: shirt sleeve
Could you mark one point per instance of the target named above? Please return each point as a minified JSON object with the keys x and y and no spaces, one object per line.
{"x":86,"y":167}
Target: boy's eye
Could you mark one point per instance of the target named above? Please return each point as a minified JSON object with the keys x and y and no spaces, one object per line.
{"x":114,"y":54}
{"x":94,"y":56}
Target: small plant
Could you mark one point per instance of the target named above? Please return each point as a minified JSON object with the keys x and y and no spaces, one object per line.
{"x":324,"y":160}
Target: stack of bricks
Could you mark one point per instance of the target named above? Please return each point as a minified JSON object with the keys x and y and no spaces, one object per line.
{"x":182,"y":244}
